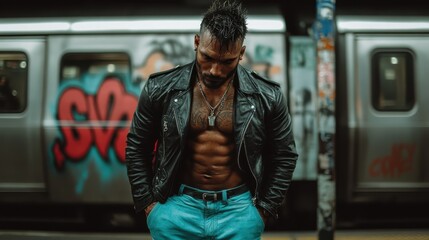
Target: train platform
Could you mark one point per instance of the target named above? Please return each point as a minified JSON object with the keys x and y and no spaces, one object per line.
{"x":422,"y":234}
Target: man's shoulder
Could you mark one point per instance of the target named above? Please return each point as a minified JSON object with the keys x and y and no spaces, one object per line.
{"x":166,"y":72}
{"x":258,"y":77}
{"x":176,"y":77}
{"x":264,"y":82}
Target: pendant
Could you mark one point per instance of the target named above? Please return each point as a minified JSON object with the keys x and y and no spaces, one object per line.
{"x":212,"y":119}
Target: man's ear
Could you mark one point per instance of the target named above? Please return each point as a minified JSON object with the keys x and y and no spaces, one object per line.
{"x":242,"y":51}
{"x":196,"y":41}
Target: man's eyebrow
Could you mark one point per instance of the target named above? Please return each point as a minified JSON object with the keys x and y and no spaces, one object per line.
{"x":206,"y":55}
{"x":223,"y":60}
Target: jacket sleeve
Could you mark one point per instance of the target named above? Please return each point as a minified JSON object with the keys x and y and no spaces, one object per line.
{"x":140,"y":150}
{"x":280,"y":157}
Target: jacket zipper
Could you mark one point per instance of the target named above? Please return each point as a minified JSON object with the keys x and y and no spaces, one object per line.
{"x":181,"y":144}
{"x":247,"y":158}
{"x":165,"y":129}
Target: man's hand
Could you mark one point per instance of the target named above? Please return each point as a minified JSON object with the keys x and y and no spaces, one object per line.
{"x":149,"y":208}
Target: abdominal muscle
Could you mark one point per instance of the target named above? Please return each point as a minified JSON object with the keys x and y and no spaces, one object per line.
{"x":210,"y":164}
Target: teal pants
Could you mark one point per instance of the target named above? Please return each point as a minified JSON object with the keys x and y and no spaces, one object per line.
{"x":185,"y":217}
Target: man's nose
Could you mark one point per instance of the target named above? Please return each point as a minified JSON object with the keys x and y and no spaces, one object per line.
{"x":215,"y":69}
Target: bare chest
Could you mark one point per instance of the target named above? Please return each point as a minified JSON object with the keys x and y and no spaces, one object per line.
{"x":204,"y":118}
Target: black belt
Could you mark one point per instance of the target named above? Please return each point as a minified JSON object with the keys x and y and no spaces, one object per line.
{"x":214,"y":195}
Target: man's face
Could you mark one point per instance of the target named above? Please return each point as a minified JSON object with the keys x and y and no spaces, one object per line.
{"x":215,"y":66}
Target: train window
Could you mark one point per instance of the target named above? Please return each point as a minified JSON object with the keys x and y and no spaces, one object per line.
{"x":84,"y":66}
{"x":393,"y":80}
{"x":13,"y":82}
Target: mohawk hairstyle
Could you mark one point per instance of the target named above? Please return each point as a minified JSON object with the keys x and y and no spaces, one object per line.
{"x":226,"y":22}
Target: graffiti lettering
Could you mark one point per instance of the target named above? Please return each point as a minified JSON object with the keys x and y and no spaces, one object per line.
{"x":97,"y":120}
{"x":399,"y":162}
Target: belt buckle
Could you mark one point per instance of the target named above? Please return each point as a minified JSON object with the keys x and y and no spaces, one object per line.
{"x":205,"y":195}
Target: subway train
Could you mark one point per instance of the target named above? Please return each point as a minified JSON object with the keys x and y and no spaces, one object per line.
{"x":69,"y":87}
{"x":382,"y":120}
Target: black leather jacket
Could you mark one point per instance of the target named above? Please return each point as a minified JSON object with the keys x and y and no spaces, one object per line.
{"x":264,"y":144}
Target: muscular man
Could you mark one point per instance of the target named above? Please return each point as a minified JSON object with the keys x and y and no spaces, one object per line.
{"x":225,"y":152}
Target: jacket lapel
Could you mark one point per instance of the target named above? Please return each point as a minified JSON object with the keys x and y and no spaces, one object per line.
{"x":244,"y":105}
{"x":181,"y":100}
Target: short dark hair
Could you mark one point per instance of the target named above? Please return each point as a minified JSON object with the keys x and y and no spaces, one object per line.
{"x":226,"y":22}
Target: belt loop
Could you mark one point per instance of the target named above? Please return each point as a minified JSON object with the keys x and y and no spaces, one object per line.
{"x":182,"y":186}
{"x":225,"y":198}
{"x":224,"y":195}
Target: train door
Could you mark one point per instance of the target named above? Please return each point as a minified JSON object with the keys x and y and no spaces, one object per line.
{"x":388,"y":114}
{"x":22,"y":170}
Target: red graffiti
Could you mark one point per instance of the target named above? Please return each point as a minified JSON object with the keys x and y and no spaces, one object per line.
{"x":93,"y":120}
{"x":399,"y":162}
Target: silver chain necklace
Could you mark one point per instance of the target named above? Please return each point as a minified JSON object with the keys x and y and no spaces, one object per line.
{"x":212,"y":117}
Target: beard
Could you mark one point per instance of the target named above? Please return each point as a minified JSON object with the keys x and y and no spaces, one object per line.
{"x":211,"y":81}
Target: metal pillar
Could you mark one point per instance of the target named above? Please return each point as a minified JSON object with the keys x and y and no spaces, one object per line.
{"x":325,"y":47}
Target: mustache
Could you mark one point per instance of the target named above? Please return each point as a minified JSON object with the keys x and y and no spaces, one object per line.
{"x":213,"y":77}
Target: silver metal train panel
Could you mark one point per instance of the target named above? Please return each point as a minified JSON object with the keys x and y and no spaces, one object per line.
{"x":21,"y":167}
{"x":383,"y":80}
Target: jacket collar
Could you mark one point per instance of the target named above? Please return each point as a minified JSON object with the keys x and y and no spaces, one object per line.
{"x":246,"y":82}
